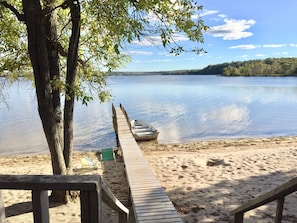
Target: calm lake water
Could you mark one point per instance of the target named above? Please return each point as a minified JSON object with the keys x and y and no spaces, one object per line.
{"x":182,"y":108}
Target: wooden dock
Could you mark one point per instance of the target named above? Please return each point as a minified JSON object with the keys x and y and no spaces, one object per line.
{"x":149,"y":199}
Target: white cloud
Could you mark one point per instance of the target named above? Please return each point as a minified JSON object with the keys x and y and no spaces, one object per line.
{"x":219,"y":17}
{"x":282,"y":53}
{"x":138,"y":53}
{"x":158,"y":61}
{"x":156,"y":40}
{"x":252,"y":46}
{"x":179,"y":37}
{"x":260,"y":55}
{"x":152,"y":61}
{"x":274,"y":45}
{"x":227,"y":119}
{"x":223,"y":16}
{"x":149,"y":41}
{"x":232,"y":29}
{"x":245,"y":56}
{"x":209,"y":12}
{"x":245,"y":47}
{"x":293,"y":45}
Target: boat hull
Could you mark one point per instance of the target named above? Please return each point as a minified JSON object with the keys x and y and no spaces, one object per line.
{"x":143,"y":131}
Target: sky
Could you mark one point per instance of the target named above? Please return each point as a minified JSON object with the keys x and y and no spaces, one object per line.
{"x":239,"y":30}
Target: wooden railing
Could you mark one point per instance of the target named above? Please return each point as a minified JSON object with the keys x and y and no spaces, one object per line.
{"x":126,"y":115}
{"x":277,"y":194}
{"x":115,"y":121}
{"x":92,"y":193}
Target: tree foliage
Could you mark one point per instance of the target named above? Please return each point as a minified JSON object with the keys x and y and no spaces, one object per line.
{"x":106,"y":28}
{"x":267,"y":67}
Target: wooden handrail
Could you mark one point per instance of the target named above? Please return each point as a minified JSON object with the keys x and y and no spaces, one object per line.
{"x":278,"y":194}
{"x":92,"y":192}
{"x":111,"y":201}
{"x":126,"y":115}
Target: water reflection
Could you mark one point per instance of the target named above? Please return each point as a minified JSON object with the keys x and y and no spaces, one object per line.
{"x":183,"y":108}
{"x":228,"y":119}
{"x":21,"y":130}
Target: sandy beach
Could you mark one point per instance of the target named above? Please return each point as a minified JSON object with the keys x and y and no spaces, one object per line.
{"x":205,"y":180}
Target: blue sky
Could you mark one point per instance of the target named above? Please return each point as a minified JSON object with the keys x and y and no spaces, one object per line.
{"x":239,"y":30}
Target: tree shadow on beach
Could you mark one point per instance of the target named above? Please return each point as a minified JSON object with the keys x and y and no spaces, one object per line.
{"x":214,"y":203}
{"x":23,"y":208}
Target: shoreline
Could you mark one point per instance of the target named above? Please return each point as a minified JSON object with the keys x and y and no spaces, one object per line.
{"x":200,"y":192}
{"x":221,"y":144}
{"x":191,"y":145}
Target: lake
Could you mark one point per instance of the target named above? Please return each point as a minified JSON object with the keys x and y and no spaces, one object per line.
{"x":183,"y":109}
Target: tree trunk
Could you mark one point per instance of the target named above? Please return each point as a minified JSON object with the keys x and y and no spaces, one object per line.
{"x":50,"y":24}
{"x":70,"y":79}
{"x":43,"y":51}
{"x":34,"y":20}
{"x":53,"y":58}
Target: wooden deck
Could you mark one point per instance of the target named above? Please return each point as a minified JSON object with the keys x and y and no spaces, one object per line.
{"x":149,"y":199}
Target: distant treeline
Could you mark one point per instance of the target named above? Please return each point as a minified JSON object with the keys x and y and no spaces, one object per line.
{"x":267,"y":67}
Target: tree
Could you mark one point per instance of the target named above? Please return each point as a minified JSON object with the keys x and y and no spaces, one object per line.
{"x":69,"y":42}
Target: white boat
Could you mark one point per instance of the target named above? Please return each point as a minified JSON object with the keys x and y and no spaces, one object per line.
{"x":143,"y":131}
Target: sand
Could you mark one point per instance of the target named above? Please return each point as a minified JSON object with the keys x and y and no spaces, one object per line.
{"x":204,"y":180}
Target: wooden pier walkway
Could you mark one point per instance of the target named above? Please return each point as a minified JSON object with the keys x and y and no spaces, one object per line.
{"x":149,"y":199}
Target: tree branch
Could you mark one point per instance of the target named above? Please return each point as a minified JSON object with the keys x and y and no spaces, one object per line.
{"x":62,"y":51}
{"x":64,"y":5}
{"x":21,"y":17}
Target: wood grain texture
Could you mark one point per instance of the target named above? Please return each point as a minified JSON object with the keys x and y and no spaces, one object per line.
{"x":149,"y":199}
